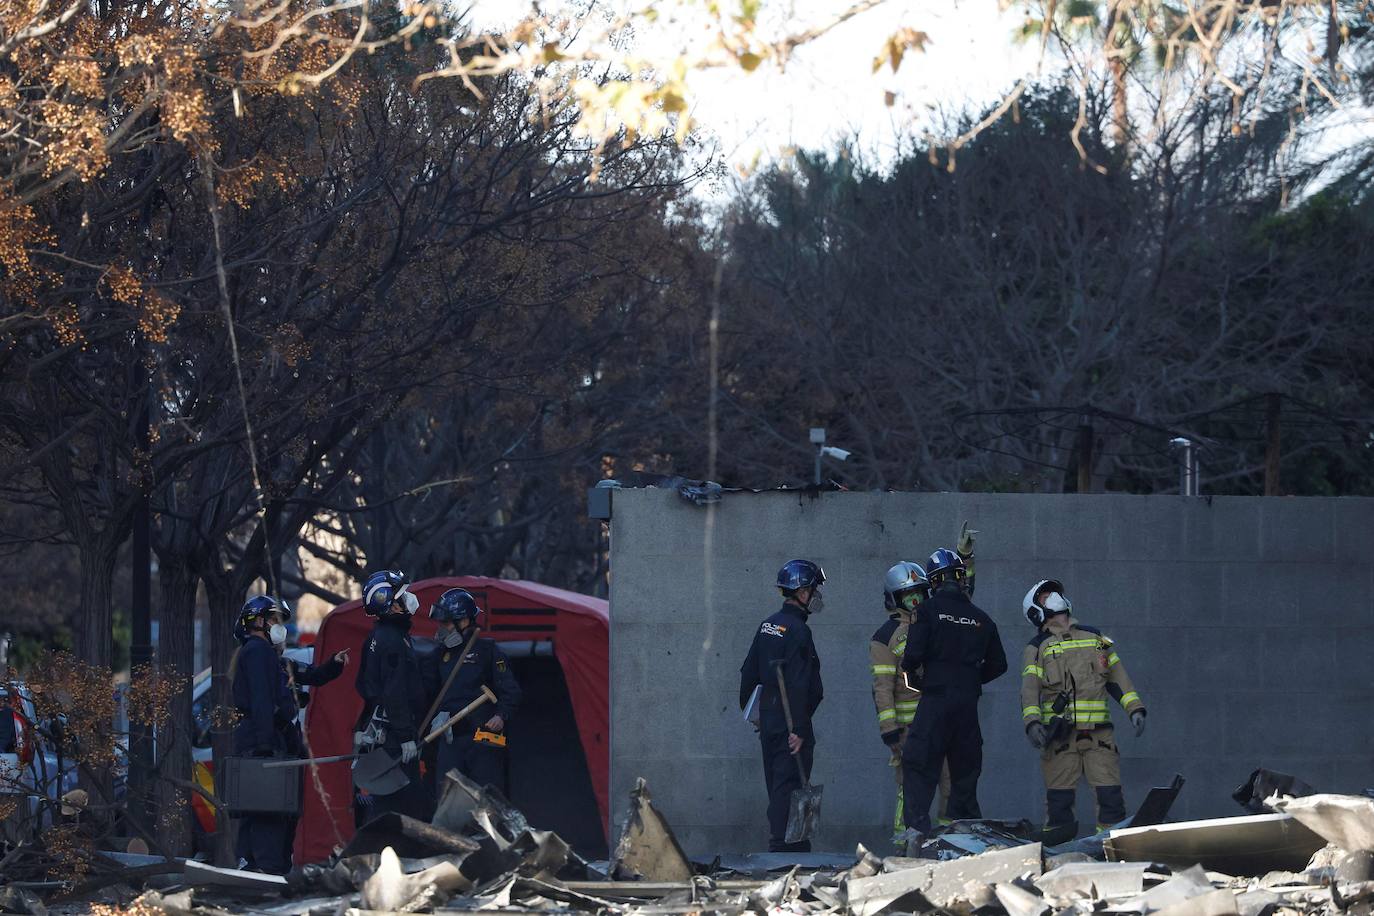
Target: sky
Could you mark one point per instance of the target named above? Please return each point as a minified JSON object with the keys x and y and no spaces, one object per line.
{"x":829,"y":91}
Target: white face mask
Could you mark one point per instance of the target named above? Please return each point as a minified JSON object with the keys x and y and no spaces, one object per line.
{"x":277,"y":633}
{"x":1055,"y":603}
{"x":408,"y":601}
{"x":453,"y":639}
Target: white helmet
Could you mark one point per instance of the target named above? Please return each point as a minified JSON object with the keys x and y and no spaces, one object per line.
{"x":1037,"y":613}
{"x":903,"y":577}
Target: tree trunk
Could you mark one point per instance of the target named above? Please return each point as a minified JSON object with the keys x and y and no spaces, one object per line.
{"x":94,"y":630}
{"x":176,"y":658}
{"x":225,"y":601}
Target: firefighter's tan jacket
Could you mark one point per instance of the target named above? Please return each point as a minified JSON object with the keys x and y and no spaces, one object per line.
{"x":894,"y":701}
{"x":1083,"y":664}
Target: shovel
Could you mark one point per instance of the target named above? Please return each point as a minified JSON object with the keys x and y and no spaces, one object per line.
{"x":804,"y":811}
{"x":381,"y":774}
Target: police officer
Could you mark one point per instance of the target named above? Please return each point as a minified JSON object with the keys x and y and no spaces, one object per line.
{"x":952,"y":650}
{"x":904,"y":588}
{"x":266,"y":703}
{"x":784,"y":642}
{"x":1069,"y":672}
{"x":475,"y":746}
{"x":392,"y":687}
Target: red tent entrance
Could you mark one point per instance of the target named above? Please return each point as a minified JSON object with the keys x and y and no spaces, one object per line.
{"x":517,"y":611}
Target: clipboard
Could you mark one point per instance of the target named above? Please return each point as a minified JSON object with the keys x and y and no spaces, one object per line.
{"x":751,"y":709}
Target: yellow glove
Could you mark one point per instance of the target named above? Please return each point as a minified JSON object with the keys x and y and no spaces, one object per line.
{"x":964,"y":546}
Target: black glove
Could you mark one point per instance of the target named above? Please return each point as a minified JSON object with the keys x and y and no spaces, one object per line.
{"x":1138,"y":720}
{"x":262,"y":751}
{"x":892,"y":738}
{"x":1035,"y":732}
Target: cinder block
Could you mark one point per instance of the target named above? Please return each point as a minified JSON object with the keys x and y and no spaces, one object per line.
{"x":1214,"y":661}
{"x":1337,"y":596}
{"x":1295,"y":530}
{"x":1186,"y":594}
{"x":1303,"y":658}
{"x":1259,"y":595}
{"x":1221,"y":527}
{"x":1072,"y":527}
{"x":1352,"y":524}
{"x":1144,"y":529}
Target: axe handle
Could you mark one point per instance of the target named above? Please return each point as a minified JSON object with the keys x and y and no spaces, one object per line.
{"x":439,"y":698}
{"x":486,"y":697}
{"x":307,"y":761}
{"x":787,"y":714}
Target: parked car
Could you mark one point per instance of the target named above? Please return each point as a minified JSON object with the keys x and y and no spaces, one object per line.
{"x":31,"y":767}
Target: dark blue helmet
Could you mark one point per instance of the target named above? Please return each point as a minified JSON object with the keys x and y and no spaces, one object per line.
{"x":944,"y":565}
{"x":384,"y":589}
{"x":255,"y":609}
{"x":797,"y":574}
{"x":455,"y":605}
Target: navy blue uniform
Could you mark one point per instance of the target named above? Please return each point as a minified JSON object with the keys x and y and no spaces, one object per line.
{"x":952,"y":649}
{"x":783,"y":640}
{"x":392,"y":686}
{"x":482,"y":762}
{"x":267,"y":728}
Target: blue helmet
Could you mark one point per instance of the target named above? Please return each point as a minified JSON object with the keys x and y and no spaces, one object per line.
{"x":256,"y":608}
{"x":944,"y":565}
{"x":384,"y":589}
{"x":797,"y":574}
{"x":455,"y":604}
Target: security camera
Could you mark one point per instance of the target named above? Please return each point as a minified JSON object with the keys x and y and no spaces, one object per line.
{"x":838,"y":454}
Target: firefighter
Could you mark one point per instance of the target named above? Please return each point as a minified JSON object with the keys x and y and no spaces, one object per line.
{"x":476,"y":746}
{"x":392,"y":687}
{"x":265,"y":700}
{"x":1068,"y":673}
{"x":952,"y":650}
{"x":904,"y":587}
{"x":783,"y":641}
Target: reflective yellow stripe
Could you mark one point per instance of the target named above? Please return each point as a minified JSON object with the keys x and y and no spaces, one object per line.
{"x":904,"y":718}
{"x":886,"y":714}
{"x":1113,"y":659}
{"x":900,"y":648}
{"x":1128,"y":698}
{"x":907,"y":704}
{"x":884,"y":669}
{"x":1029,"y":711}
{"x":1035,"y":670}
{"x":1061,"y":647}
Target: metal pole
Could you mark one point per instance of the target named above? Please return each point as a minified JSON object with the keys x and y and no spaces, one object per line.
{"x":818,"y":465}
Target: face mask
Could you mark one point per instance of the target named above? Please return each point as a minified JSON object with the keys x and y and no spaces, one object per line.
{"x":1056,"y":603}
{"x":277,"y":633}
{"x":453,"y":639}
{"x":909,"y":601}
{"x":817,"y":604}
{"x":408,"y":601}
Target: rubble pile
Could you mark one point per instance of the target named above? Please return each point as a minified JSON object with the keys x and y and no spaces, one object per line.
{"x":1311,"y":854}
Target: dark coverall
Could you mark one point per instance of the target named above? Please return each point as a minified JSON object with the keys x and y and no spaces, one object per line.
{"x":482,"y":762}
{"x":391,"y":684}
{"x":955,"y":648}
{"x":783,"y":640}
{"x":267,"y":728}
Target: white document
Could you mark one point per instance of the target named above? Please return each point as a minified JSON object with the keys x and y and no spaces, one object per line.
{"x":751,"y":709}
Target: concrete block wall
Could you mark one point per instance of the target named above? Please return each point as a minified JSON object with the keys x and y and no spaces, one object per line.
{"x":1247,"y":624}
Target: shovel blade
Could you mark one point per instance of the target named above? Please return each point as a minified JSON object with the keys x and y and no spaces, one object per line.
{"x":804,"y":814}
{"x":379,"y":773}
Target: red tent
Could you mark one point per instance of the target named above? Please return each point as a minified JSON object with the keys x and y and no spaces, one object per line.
{"x":578,"y":627}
